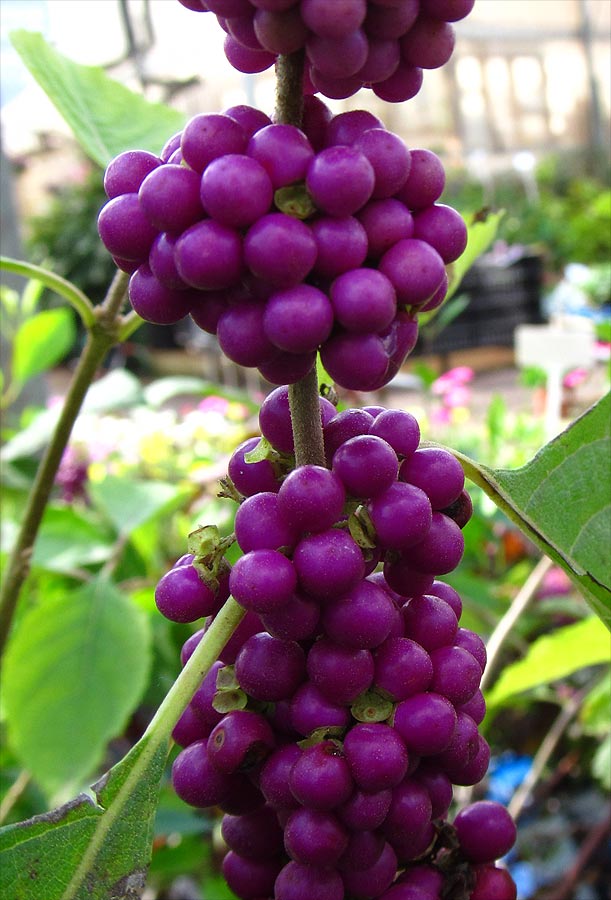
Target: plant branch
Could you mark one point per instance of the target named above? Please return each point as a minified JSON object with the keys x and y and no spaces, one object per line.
{"x":157,"y":734}
{"x":129,"y":323}
{"x":546,"y":748}
{"x":21,"y":556}
{"x":76,"y":298}
{"x":205,"y":654}
{"x":505,"y":625}
{"x":307,"y":425}
{"x":289,"y":89}
{"x":101,"y":337}
{"x":304,"y":395}
{"x":109,"y":310}
{"x":565,"y":888}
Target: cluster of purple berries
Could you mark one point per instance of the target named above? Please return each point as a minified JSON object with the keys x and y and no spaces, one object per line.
{"x":284,"y":241}
{"x":347,"y":702}
{"x":349,"y":44}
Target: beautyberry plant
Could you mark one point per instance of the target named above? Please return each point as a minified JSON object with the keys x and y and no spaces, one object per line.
{"x":330,"y":701}
{"x":347,"y":703}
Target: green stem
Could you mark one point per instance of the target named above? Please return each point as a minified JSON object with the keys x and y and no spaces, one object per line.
{"x":307,"y":425}
{"x":101,"y":337}
{"x":289,"y":89}
{"x":77,"y":299}
{"x":108,"y":312}
{"x":158,"y":734}
{"x":205,"y":654}
{"x":19,"y":565}
{"x":130,"y":323}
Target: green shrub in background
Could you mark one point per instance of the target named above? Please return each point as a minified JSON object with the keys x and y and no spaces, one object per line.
{"x":65,"y":236}
{"x":569,"y":219}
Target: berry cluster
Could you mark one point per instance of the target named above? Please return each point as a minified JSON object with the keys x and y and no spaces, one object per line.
{"x":347,"y":702}
{"x":283,"y":242}
{"x":349,"y":44}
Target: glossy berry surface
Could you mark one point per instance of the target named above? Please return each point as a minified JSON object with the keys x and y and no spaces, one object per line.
{"x":347,"y":703}
{"x":348,"y":44}
{"x":283,"y":242}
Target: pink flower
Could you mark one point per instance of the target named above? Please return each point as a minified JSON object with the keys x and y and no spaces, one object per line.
{"x":574,"y":378}
{"x":213,"y":404}
{"x":456,"y":377}
{"x":457,"y":396}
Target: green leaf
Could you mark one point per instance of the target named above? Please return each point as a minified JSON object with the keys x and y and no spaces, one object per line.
{"x":32,"y":438}
{"x":561,"y":500}
{"x":117,"y":390}
{"x":594,"y":714}
{"x":75,"y":670}
{"x":87,"y":849}
{"x":41,"y":342}
{"x":100,"y":851}
{"x":163,"y":389}
{"x":68,"y":540}
{"x":130,"y":503}
{"x":105,"y":116}
{"x":482,"y":227}
{"x":553,"y":657}
{"x":601,"y":763}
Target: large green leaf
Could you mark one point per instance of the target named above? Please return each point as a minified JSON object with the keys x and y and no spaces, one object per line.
{"x":74,"y":671}
{"x":482,"y":227}
{"x":105,"y":116}
{"x":130,"y":503}
{"x":100,"y":851}
{"x":561,"y":499}
{"x":119,"y":389}
{"x":68,"y":540}
{"x":41,"y":342}
{"x":96,"y":850}
{"x":553,"y":657}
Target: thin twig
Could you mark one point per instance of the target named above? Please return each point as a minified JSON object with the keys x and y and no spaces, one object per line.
{"x":13,"y":794}
{"x":101,"y":337}
{"x":505,"y":625}
{"x":546,"y":748}
{"x":108,"y":311}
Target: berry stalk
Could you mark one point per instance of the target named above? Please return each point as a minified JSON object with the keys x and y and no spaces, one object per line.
{"x":303,"y":395}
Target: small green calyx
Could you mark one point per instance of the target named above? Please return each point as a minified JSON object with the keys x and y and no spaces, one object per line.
{"x":295,"y":201}
{"x":263,"y":450}
{"x":333,"y":733}
{"x":229,"y":491}
{"x":362,"y":530}
{"x":226,"y":701}
{"x":208,"y":548}
{"x":371,"y":706}
{"x":281,"y":462}
{"x":229,"y":695}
